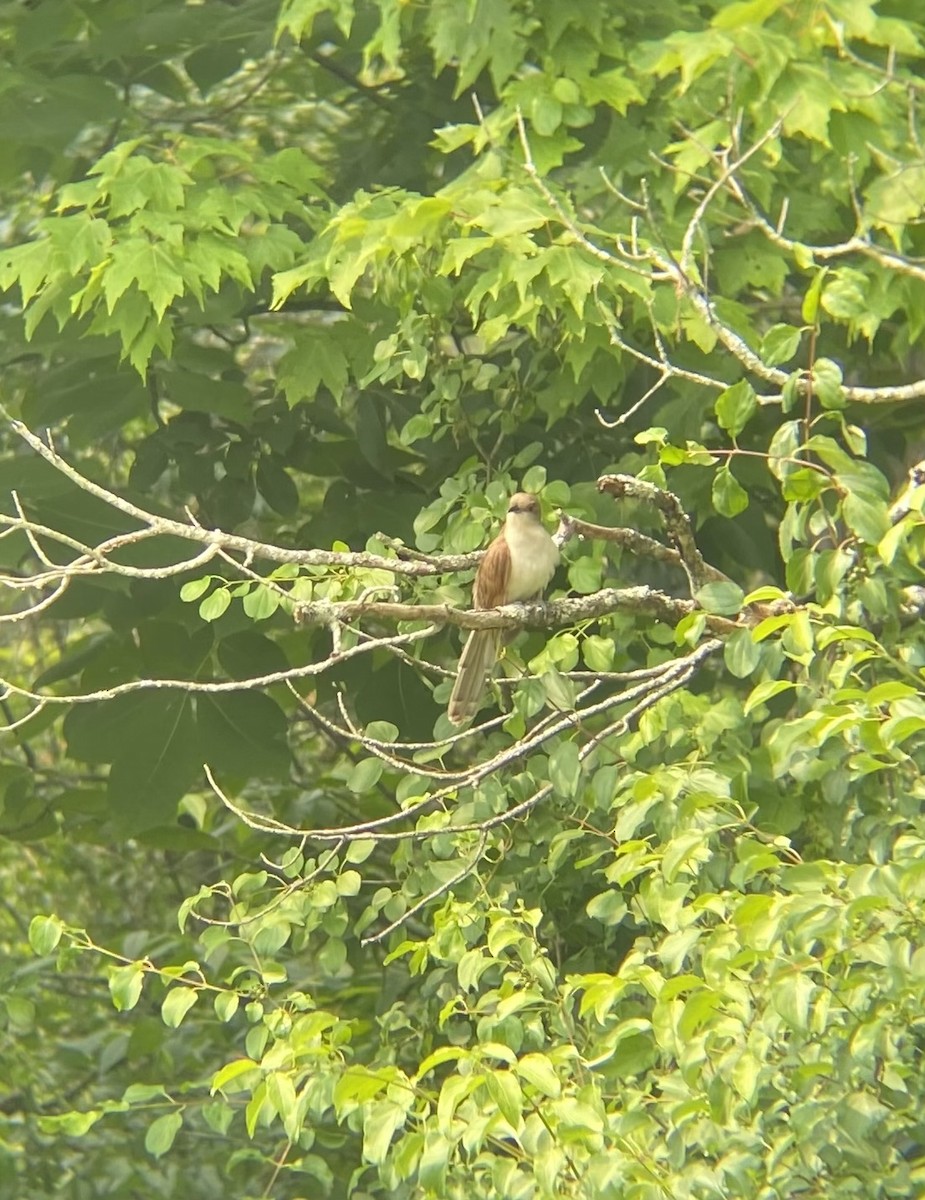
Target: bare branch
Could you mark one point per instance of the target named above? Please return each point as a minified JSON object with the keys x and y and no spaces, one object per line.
{"x":157,"y":525}
{"x":663,"y":266}
{"x":627,"y":260}
{"x":39,"y":606}
{"x":672,"y":676}
{"x":729,"y":171}
{"x":629,"y":539}
{"x":549,"y":615}
{"x":431,"y":896}
{"x":677,"y":522}
{"x":858,"y":243}
{"x":228,"y":685}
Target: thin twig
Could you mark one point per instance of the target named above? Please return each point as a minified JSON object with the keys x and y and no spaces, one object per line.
{"x":464,"y":873}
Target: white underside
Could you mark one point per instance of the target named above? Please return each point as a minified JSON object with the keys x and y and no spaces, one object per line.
{"x":534,"y":556}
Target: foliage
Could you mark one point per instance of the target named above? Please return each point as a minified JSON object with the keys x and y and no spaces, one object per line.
{"x":295,"y":287}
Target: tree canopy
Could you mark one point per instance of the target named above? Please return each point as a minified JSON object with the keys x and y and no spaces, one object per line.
{"x":295,"y":296}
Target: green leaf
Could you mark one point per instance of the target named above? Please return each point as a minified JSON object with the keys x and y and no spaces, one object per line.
{"x":318,"y":358}
{"x":72,"y":1124}
{"x":766,"y":593}
{"x":855,"y":440}
{"x":236,"y":1070}
{"x":780,"y":344}
{"x":177,"y":1003}
{"x":359,"y":850}
{"x":784,"y":445}
{"x":45,"y":934}
{"x":767,"y":691}
{"x":420,"y":426}
{"x":827,"y":383}
{"x":868,"y":518}
{"x":504,"y":1089}
{"x":382,"y":1119}
{"x":349,"y":883}
{"x":249,"y":653}
{"x":276,"y":485}
{"x":324,"y":895}
{"x":566,"y":91}
{"x":791,"y":995}
{"x":722,"y":597}
{"x":196,"y":392}
{"x":607,"y":907}
{"x":218,"y":1115}
{"x":365,"y":775}
{"x":797,"y":638}
{"x":261,"y":602}
{"x":736,"y":406}
{"x":20,"y":1012}
{"x":584,"y":574}
{"x":281,"y":1094}
{"x":215,"y":604}
{"x":804,"y":484}
{"x":534,"y":479}
{"x":150,"y":740}
{"x":125,"y":985}
{"x":744,"y":12}
{"x":361,"y":1084}
{"x":244,"y":733}
{"x":226,"y":1005}
{"x":895,"y":197}
{"x":161,"y":1133}
{"x":792,"y":391}
{"x":810,"y":307}
{"x":741,"y":654}
{"x":578,"y":1115}
{"x":249,"y":883}
{"x":156,"y":765}
{"x":195,"y":588}
{"x":598,"y":652}
{"x":729,"y":497}
{"x":565,"y":768}
{"x":382,"y":731}
{"x":899,"y":728}
{"x":209,"y":65}
{"x":614,"y":89}
{"x":432,"y":1166}
{"x":143,"y":1093}
{"x":151,"y":267}
{"x":332,"y":956}
{"x":538,"y":1071}
{"x":831,"y":569}
{"x":845,"y":295}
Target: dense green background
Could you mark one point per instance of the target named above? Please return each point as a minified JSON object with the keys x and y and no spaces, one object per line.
{"x":328,"y":275}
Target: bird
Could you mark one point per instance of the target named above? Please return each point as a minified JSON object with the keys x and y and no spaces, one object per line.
{"x":516,"y":566}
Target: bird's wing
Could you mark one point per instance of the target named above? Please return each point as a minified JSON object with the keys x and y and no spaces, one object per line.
{"x":493,"y":576}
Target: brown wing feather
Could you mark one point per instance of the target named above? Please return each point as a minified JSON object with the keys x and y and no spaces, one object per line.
{"x":493,"y":576}
{"x":481,"y":649}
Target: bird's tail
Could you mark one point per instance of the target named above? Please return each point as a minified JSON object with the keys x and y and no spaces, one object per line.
{"x":478,"y":657}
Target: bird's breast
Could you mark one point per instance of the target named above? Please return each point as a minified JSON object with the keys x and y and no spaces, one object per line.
{"x":534,"y":557}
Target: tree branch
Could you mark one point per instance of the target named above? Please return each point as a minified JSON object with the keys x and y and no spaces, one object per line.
{"x":674,"y":675}
{"x":663,"y":266}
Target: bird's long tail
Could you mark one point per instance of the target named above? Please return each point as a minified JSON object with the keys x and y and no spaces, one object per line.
{"x":478,"y":657}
